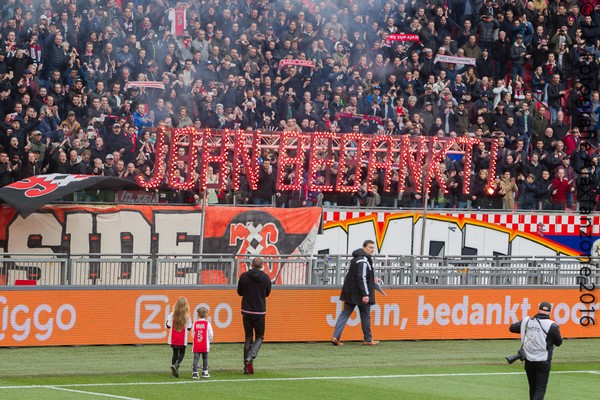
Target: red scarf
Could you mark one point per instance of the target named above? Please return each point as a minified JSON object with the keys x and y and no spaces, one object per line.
{"x":35,"y":52}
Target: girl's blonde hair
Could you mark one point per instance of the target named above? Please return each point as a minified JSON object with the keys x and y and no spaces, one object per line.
{"x":181,"y":313}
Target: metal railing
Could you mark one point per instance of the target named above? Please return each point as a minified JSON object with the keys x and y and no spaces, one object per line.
{"x":317,"y":270}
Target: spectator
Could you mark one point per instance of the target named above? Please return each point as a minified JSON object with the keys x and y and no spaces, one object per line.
{"x":217,"y":59}
{"x":508,"y":190}
{"x":545,"y":191}
{"x":267,"y":177}
{"x":560,"y":187}
{"x":528,"y":190}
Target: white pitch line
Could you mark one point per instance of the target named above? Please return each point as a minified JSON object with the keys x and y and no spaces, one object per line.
{"x":304,"y":378}
{"x":112,"y":396}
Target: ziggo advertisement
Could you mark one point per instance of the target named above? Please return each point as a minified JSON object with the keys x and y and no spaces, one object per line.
{"x":92,"y":317}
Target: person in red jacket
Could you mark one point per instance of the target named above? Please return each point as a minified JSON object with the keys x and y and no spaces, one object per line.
{"x":202,"y":334}
{"x":561,"y":186}
{"x":178,"y":323}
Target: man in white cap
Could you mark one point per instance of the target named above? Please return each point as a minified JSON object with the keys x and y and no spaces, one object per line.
{"x":539,"y":335}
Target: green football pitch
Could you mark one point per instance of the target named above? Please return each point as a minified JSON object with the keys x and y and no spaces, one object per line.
{"x":312,"y":371}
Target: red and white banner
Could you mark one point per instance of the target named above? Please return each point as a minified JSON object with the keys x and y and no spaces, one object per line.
{"x":403,"y":37}
{"x":361,"y":116}
{"x":178,"y":20}
{"x":298,"y":63}
{"x":145,"y":84}
{"x":454,"y":60}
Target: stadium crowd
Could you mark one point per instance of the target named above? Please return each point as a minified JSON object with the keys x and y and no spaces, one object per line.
{"x":71,"y":100}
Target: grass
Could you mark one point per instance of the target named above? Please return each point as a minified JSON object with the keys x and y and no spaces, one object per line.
{"x":392,"y":370}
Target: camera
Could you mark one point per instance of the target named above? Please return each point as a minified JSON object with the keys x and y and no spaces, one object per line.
{"x":519,"y":356}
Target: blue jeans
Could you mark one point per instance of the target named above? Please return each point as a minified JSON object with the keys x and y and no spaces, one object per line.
{"x":553,"y":113}
{"x":365,"y":320}
{"x":517,"y":70}
{"x":258,"y":201}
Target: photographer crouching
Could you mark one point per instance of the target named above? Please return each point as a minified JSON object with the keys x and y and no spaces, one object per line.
{"x":539,"y":335}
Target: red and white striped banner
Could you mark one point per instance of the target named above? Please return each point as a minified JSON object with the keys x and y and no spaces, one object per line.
{"x":301,"y":63}
{"x":365,"y":117}
{"x":145,"y":84}
{"x":454,"y":60}
{"x":403,"y":37}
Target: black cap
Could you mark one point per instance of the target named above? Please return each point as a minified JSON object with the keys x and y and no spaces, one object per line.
{"x":545,"y":306}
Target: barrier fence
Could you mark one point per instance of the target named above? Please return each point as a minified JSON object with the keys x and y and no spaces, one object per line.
{"x":318,"y":270}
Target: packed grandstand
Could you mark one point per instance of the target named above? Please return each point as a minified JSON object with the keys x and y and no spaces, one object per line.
{"x":87,"y":87}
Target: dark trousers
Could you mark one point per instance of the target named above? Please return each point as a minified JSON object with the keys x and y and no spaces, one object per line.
{"x":254,"y":334}
{"x":538,"y":373}
{"x":178,"y":354}
{"x":500,"y":70}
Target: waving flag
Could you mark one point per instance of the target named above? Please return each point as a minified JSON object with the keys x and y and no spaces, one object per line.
{"x":29,"y":194}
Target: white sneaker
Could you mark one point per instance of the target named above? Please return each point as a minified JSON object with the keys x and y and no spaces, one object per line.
{"x":195,"y":375}
{"x":205,"y":374}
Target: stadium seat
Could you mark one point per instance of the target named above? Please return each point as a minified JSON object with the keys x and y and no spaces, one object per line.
{"x":213,"y":277}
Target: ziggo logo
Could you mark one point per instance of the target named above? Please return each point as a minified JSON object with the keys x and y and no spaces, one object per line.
{"x":19,"y":319}
{"x":151,"y":312}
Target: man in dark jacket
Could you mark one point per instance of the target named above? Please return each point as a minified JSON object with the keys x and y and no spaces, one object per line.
{"x":539,"y":335}
{"x":267,"y":184}
{"x":358,"y":290}
{"x":8,"y":172}
{"x":254,"y":286}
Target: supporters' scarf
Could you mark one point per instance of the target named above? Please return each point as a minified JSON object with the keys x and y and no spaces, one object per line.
{"x":12,"y":49}
{"x":145,"y":84}
{"x":403,"y":37}
{"x":454,"y":60}
{"x":361,"y":116}
{"x":301,"y":63}
{"x":35,"y":52}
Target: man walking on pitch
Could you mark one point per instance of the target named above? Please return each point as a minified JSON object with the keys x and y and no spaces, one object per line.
{"x":254,"y":286}
{"x":358,"y":290}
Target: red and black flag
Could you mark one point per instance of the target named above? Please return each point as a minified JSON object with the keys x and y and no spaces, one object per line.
{"x":30,"y":194}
